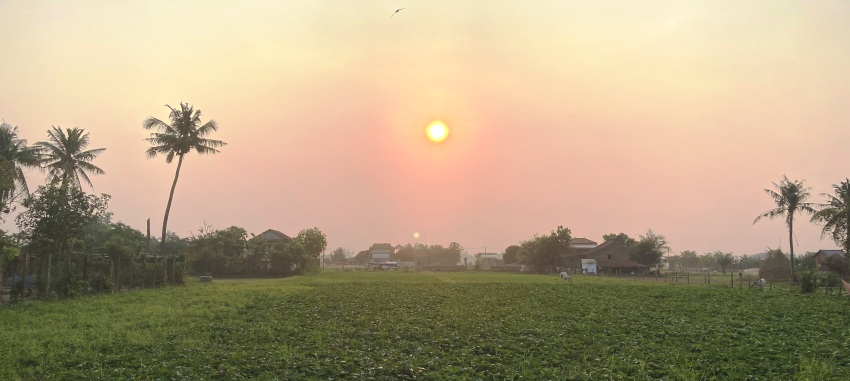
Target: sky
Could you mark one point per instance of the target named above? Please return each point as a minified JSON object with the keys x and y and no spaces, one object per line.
{"x":601,"y":116}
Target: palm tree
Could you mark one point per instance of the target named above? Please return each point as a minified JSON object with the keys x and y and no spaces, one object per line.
{"x":835,"y":215}
{"x":183,"y":135}
{"x":65,"y":157}
{"x":14,"y":156}
{"x":790,"y":197}
{"x":723,"y":260}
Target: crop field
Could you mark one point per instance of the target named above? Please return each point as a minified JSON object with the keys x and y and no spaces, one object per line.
{"x":349,"y":325}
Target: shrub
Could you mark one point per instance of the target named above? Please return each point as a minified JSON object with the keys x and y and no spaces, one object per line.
{"x":808,"y":281}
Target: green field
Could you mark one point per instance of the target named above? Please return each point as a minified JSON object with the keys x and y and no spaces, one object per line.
{"x":344,"y":325}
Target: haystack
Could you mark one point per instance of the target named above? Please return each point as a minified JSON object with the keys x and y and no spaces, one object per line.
{"x":776,"y":267}
{"x":837,"y":264}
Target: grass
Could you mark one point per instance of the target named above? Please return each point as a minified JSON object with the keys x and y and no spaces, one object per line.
{"x":395,"y":325}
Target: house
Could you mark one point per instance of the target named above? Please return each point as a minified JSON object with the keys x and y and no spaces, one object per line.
{"x":588,"y":266}
{"x":380,"y":253}
{"x":272,"y":235}
{"x":612,"y":256}
{"x":581,"y":245}
{"x":488,"y":260}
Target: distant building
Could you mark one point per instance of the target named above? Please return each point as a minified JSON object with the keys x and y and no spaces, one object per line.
{"x":380,"y":253}
{"x":589,"y":266}
{"x":612,"y":256}
{"x":488,"y":260}
{"x":272,"y":235}
{"x":581,"y":245}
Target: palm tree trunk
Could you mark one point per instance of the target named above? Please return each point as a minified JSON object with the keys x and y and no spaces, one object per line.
{"x":168,"y":206}
{"x":791,"y":245}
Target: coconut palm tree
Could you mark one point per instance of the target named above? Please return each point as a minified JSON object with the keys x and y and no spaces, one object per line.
{"x":835,"y":215}
{"x":724,"y":260}
{"x":65,"y":157}
{"x":14,"y":156}
{"x":790,"y":198}
{"x":183,"y":135}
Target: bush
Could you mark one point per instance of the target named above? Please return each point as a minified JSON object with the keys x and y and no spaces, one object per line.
{"x":102,"y":284}
{"x":808,"y":281}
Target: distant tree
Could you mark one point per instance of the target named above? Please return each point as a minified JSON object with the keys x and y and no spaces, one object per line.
{"x":622,"y":238}
{"x":790,"y":198}
{"x":362,"y":258}
{"x":66,"y":158}
{"x":14,"y":157}
{"x":748,"y":262}
{"x":547,"y":252}
{"x":185,"y":134}
{"x":674,"y":262}
{"x":56,"y":219}
{"x":339,"y":254}
{"x":724,"y":260}
{"x":690,"y":259}
{"x":511,"y":254}
{"x":288,"y":258}
{"x":835,"y":215}
{"x":806,"y":262}
{"x":313,"y":241}
{"x":649,"y":249}
{"x":9,"y":251}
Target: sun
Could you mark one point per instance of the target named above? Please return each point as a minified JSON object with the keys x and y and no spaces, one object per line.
{"x":437,"y":131}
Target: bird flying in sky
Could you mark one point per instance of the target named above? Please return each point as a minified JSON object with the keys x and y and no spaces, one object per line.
{"x":396,"y":11}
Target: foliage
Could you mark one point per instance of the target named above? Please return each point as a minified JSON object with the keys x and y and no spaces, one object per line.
{"x":511,"y":254}
{"x":808,"y":281}
{"x":65,"y":156}
{"x":313,"y":241}
{"x":55,"y":220}
{"x":837,"y":265}
{"x":622,"y":238}
{"x":690,"y":259}
{"x":790,"y":198}
{"x":748,"y":262}
{"x":339,"y":254}
{"x":835,"y":215}
{"x":183,"y":135}
{"x":724,"y":260}
{"x":546,"y":253}
{"x":15,"y":155}
{"x":649,"y":249}
{"x":431,"y":326}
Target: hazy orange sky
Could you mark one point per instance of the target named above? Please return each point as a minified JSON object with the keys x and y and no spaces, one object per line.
{"x":601,"y":116}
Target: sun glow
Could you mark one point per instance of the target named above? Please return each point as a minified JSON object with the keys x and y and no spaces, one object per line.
{"x":437,"y":131}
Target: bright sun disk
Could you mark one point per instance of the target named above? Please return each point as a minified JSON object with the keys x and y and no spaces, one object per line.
{"x":437,"y":131}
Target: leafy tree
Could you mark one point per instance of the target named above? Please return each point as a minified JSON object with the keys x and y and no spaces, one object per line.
{"x":9,"y":251}
{"x":649,"y":249}
{"x":66,"y":158}
{"x":287,"y":258}
{"x":313,"y":241}
{"x":55,"y":219}
{"x":14,"y":157}
{"x":183,"y":135}
{"x":339,"y":254}
{"x":622,"y":238}
{"x":723,"y":260}
{"x":545,"y":253}
{"x":790,"y":198}
{"x":835,"y":215}
{"x":511,"y":254}
{"x":362,"y":257}
{"x":690,"y":259}
{"x":748,"y":262}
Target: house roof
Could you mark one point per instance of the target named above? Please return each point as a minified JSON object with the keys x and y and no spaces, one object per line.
{"x":381,"y":246}
{"x":274,"y":235}
{"x":588,"y":261}
{"x":581,"y":241}
{"x":603,"y":246}
{"x":830,"y":252}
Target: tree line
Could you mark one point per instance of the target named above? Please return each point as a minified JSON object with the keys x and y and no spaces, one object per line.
{"x":68,"y":245}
